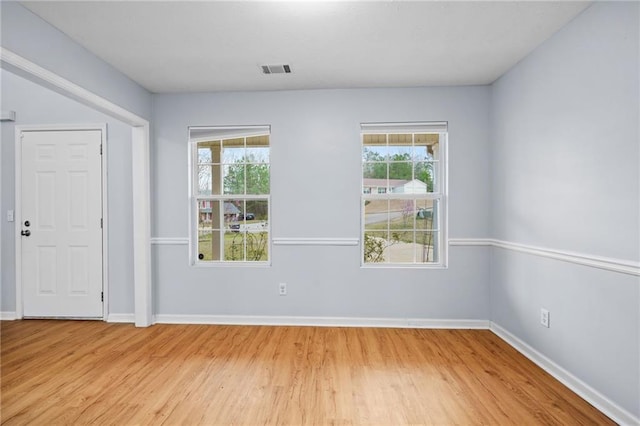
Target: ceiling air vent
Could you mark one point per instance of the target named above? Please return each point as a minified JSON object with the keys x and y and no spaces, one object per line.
{"x":276,"y":69}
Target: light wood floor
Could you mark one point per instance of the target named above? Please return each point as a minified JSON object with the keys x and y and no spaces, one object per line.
{"x":77,"y":372}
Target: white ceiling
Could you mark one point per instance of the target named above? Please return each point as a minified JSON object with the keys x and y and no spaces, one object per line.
{"x":180,"y":46}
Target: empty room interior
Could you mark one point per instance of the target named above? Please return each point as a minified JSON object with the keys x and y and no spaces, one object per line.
{"x":309,"y":212}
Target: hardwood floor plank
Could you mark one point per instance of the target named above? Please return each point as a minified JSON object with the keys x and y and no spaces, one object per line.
{"x":77,"y":372}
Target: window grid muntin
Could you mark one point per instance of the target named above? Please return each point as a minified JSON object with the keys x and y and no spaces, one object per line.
{"x":415,"y":230}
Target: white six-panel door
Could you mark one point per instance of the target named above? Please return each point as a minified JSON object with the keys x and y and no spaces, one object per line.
{"x":61,"y":210}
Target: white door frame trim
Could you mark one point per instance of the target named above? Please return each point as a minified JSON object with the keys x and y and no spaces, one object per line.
{"x":19,"y":130}
{"x":140,"y":170}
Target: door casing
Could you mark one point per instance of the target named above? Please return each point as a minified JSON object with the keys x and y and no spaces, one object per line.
{"x":18,"y":207}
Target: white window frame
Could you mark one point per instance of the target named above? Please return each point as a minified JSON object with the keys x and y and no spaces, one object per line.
{"x":441,"y":195}
{"x":223,"y":133}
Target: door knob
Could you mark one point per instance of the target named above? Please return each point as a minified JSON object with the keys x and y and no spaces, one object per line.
{"x":27,"y":223}
{"x":26,"y":233}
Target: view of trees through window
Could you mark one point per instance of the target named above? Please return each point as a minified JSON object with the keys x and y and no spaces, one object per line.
{"x":399,"y":166}
{"x":401,"y":197}
{"x":232,"y":186}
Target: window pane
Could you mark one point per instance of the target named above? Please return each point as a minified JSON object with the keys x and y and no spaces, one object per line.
{"x":234,"y":245}
{"x":233,"y":210}
{"x":426,"y":146}
{"x":257,"y":245}
{"x":399,"y":174}
{"x":209,"y":152}
{"x":426,"y":246}
{"x":421,"y":153}
{"x":205,"y":179}
{"x":234,"y":178}
{"x":375,"y":153}
{"x":375,"y":171}
{"x":257,"y":154}
{"x":426,"y":214}
{"x":400,"y":147}
{"x":426,"y":173}
{"x":401,"y":248}
{"x":402,"y":214}
{"x":375,"y":243}
{"x":204,"y":155}
{"x":208,"y":244}
{"x":257,"y":178}
{"x":415,"y":187}
{"x":208,"y":232}
{"x":233,"y":150}
{"x":257,"y":212}
{"x":208,"y":210}
{"x":376,"y":214}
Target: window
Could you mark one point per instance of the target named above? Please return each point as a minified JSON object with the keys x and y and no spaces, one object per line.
{"x":230,"y":184}
{"x":404,"y":221}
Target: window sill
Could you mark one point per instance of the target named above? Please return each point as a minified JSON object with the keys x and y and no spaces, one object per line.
{"x":231,"y":265}
{"x":404,"y":266}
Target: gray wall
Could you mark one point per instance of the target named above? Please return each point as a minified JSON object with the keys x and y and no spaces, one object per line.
{"x":29,"y":36}
{"x":565,"y":176}
{"x":26,"y":34}
{"x":556,"y":166}
{"x":37,"y":105}
{"x":316,"y":178}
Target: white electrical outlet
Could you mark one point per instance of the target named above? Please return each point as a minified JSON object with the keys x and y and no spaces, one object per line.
{"x":544,"y":317}
{"x":282,"y":288}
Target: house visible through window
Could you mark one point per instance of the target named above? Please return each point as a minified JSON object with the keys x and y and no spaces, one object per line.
{"x":230,"y":192}
{"x":404,"y":194}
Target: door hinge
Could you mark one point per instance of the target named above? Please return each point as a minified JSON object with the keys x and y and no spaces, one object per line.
{"x":100,"y":149}
{"x":100,"y":223}
{"x":102,"y":296}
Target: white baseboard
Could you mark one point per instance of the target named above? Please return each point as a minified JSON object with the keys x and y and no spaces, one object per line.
{"x":11,"y":316}
{"x":8,"y":316}
{"x":323,"y":321}
{"x":121,"y":318}
{"x":595,"y":398}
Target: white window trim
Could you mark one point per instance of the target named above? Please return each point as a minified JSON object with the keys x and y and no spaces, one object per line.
{"x":223,"y":133}
{"x":440,"y":128}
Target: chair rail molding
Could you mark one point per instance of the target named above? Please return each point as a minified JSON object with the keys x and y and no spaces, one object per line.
{"x":170,"y":241}
{"x":607,"y":263}
{"x":315,"y":241}
{"x":623,"y":266}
